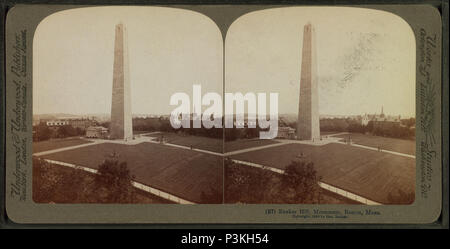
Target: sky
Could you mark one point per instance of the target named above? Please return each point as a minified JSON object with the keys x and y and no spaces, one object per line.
{"x":365,"y":58}
{"x":169,"y":51}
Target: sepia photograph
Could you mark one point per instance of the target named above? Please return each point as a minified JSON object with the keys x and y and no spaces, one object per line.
{"x":101,"y":107}
{"x":157,"y":105}
{"x":345,"y":79}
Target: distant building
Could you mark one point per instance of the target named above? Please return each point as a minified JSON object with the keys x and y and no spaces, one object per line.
{"x":286,"y":133}
{"x":245,"y":123}
{"x":386,"y":122}
{"x":53,"y":123}
{"x":381,"y":120}
{"x":82,"y":123}
{"x":36,"y":122}
{"x":365,"y":120}
{"x":164,"y":117}
{"x":96,"y":132}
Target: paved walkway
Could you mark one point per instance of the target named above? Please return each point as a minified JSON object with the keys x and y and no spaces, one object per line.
{"x":193,"y":149}
{"x":337,"y":134}
{"x":137,"y":140}
{"x":347,"y":194}
{"x":324,"y":141}
{"x":320,"y":142}
{"x":148,"y":133}
{"x":368,"y":147}
{"x":323,"y":185}
{"x":282,"y":142}
{"x":376,"y":149}
{"x":142,"y":139}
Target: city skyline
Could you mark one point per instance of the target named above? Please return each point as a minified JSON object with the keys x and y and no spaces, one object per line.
{"x":134,"y":115}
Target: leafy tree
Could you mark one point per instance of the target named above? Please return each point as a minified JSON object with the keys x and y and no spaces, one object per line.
{"x":52,"y":186}
{"x":292,"y":124}
{"x":166,"y":126}
{"x":249,"y":185}
{"x":42,"y":132}
{"x":232,"y":134}
{"x":80,"y":132}
{"x":105,"y":124}
{"x":114,"y":182}
{"x":244,"y":184}
{"x":58,"y":184}
{"x":357,"y":128}
{"x":300,"y":183}
{"x":66,"y":131}
{"x":409,"y":122}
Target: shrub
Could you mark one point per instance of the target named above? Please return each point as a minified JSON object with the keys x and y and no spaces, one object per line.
{"x":114,"y":182}
{"x":300,"y":183}
{"x":41,"y":132}
{"x":50,"y":185}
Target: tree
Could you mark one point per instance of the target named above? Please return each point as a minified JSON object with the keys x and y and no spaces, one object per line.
{"x":251,"y":132}
{"x":244,"y":184}
{"x":300,"y":183}
{"x":105,"y":124}
{"x":80,"y":132}
{"x":66,"y":131}
{"x":232,"y":134}
{"x":409,"y":122}
{"x":114,"y":182}
{"x":42,"y":132}
{"x":356,"y":128}
{"x":369,"y":126}
{"x":166,"y":126}
{"x":50,"y":185}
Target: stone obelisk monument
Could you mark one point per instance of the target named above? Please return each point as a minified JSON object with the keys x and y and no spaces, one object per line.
{"x":308,"y":111}
{"x":121,"y":122}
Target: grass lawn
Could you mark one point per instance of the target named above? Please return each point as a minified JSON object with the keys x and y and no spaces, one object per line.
{"x":197,"y":142}
{"x":394,"y":144}
{"x":181,"y":172}
{"x":49,"y":188}
{"x":371,"y":174}
{"x":259,"y":186}
{"x":247,"y":143}
{"x":212,"y":144}
{"x":57,"y":143}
